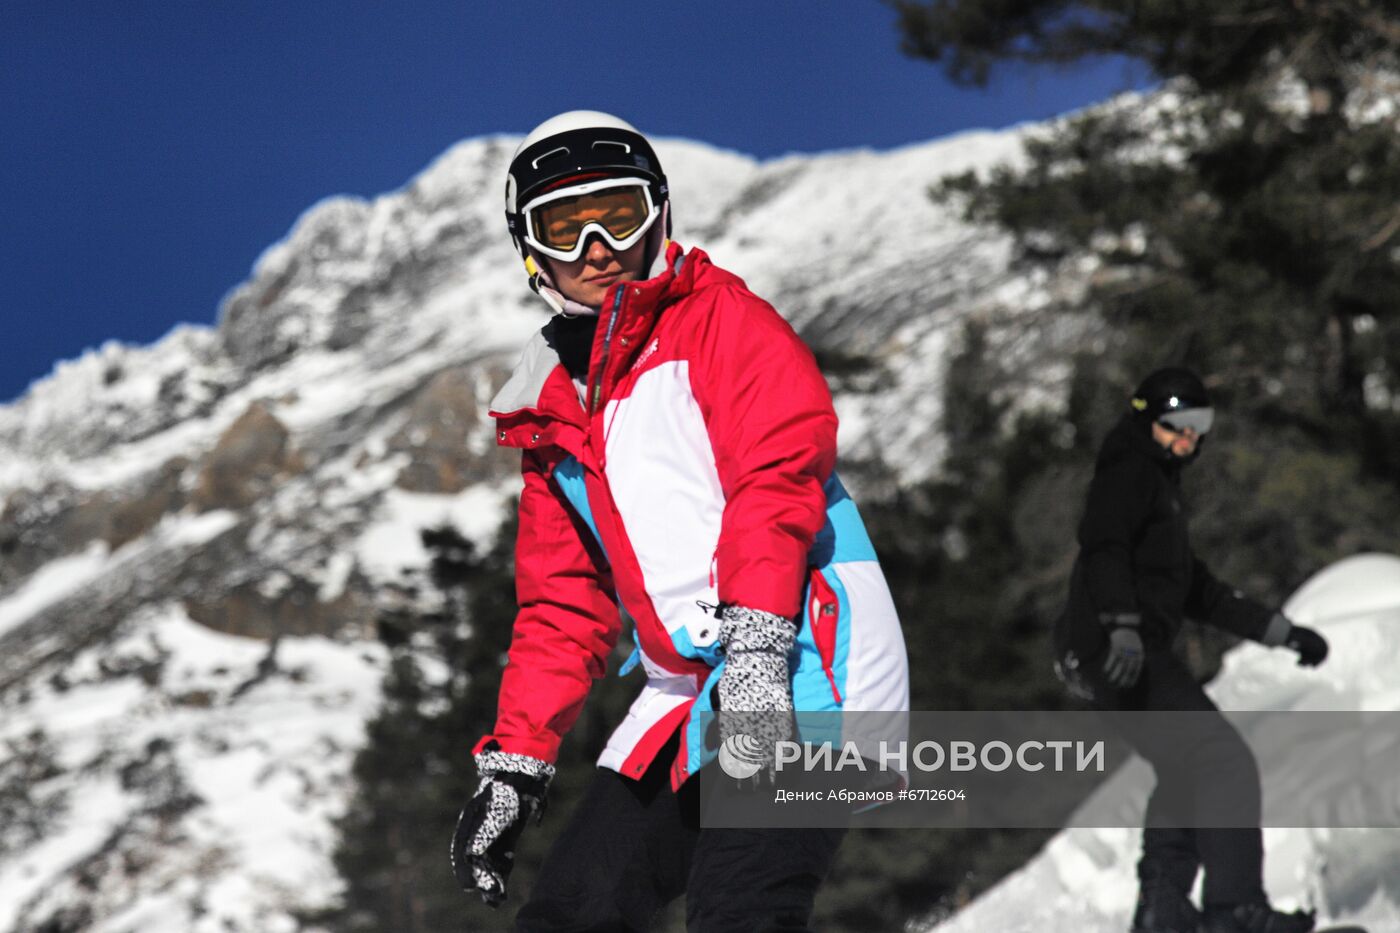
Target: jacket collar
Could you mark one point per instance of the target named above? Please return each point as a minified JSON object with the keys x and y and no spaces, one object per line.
{"x":539,"y":390}
{"x":673,"y":277}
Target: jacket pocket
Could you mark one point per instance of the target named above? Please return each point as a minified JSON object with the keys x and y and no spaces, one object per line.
{"x":824,"y":613}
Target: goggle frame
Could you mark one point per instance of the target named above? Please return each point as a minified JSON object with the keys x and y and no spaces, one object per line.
{"x":1200,"y":420}
{"x":527,"y":214}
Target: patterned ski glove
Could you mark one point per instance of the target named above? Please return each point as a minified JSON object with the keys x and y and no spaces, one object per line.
{"x":755,"y":690}
{"x":512,"y":790}
{"x":1123,"y":664}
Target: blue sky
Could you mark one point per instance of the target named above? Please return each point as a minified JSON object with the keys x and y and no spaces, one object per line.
{"x":150,"y":151}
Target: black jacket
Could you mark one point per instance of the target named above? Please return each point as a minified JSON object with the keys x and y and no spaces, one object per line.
{"x":1135,"y":553}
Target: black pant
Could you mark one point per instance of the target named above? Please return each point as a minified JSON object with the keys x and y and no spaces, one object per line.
{"x":632,"y":847}
{"x":1204,"y":770}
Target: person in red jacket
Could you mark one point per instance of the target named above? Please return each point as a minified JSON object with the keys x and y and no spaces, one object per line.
{"x":678,"y":450}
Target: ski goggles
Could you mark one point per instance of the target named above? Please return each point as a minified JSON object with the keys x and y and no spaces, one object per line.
{"x":1194,"y":419}
{"x":559,"y":223}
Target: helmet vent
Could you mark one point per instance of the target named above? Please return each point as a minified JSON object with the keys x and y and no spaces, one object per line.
{"x":562,"y":150}
{"x":612,"y":144}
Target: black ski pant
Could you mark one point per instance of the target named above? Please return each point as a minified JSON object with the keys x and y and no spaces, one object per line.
{"x":1205,"y":774}
{"x":632,"y":847}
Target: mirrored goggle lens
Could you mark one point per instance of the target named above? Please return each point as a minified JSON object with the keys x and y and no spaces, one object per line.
{"x":620,"y":211}
{"x":1196,"y":419}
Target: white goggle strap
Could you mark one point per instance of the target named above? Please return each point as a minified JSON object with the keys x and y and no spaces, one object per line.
{"x":658,"y":262}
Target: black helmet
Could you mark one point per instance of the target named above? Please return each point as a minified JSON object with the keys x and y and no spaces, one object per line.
{"x":1175,"y":397}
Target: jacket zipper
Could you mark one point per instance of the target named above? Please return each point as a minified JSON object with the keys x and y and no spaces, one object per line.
{"x":607,"y":344}
{"x":824,"y":610}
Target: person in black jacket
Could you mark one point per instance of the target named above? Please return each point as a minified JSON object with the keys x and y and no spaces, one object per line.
{"x":1134,"y":582}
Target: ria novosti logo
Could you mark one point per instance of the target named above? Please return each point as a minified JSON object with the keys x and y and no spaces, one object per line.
{"x":741,"y":756}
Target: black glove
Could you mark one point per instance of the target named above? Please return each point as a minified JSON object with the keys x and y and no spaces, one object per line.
{"x":1311,"y":647}
{"x":512,"y":790}
{"x":1124,"y":662}
{"x":755,"y":690}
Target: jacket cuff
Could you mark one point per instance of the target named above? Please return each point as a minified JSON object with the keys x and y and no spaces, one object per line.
{"x":544,"y":748}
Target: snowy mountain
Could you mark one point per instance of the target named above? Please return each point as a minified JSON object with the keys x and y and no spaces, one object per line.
{"x":1085,"y":879}
{"x":197,"y":536}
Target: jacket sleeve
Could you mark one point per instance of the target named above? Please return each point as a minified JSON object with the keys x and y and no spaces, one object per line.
{"x":772,"y":428}
{"x":1222,"y":606}
{"x":566,"y":627}
{"x":1118,"y":505}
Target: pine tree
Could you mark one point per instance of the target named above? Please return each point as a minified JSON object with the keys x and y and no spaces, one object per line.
{"x":1247,"y":219}
{"x":1244,"y":220}
{"x":415,"y":772}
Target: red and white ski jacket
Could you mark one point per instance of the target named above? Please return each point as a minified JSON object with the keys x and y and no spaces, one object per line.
{"x":701,"y":471}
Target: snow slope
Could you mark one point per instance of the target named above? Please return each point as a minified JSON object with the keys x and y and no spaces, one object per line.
{"x":201,"y":774}
{"x":1084,"y":879}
